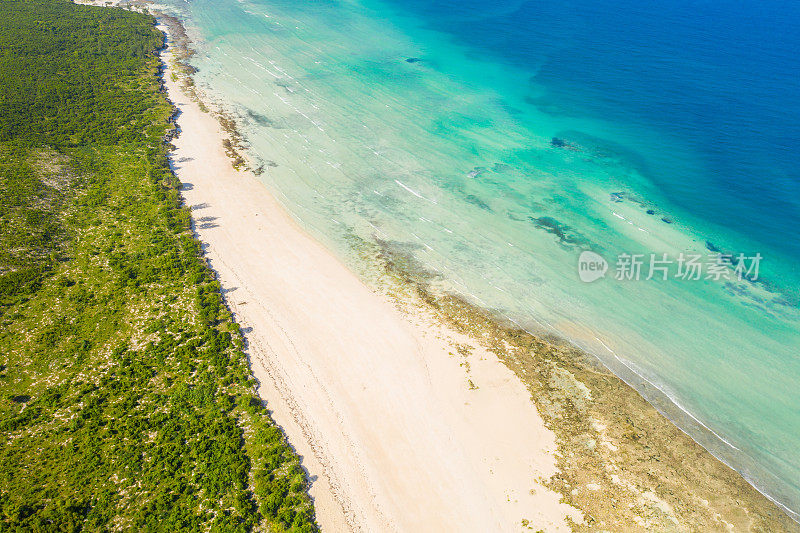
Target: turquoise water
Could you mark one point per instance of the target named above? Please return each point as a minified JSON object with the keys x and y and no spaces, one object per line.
{"x":496,"y":143}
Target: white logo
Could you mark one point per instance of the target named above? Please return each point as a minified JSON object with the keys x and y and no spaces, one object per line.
{"x":591,"y":266}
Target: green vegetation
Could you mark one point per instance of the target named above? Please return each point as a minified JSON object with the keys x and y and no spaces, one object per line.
{"x":126,"y":401}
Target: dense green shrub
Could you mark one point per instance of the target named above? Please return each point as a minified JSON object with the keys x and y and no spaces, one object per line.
{"x":125,"y":399}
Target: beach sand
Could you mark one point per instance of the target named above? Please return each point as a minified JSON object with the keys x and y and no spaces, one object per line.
{"x":402,"y":424}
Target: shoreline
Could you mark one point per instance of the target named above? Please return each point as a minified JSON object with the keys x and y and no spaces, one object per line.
{"x":477,"y":326}
{"x":590,"y":408}
{"x":397,"y":429}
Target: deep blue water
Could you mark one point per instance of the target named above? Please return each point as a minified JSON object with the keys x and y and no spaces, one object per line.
{"x":719,"y":82}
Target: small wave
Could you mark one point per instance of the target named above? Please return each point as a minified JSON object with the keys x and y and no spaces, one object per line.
{"x":282,"y":99}
{"x":262,"y":67}
{"x":378,"y":230}
{"x":412,"y":191}
{"x":423,"y":242}
{"x":279,"y":69}
{"x":629,"y":221}
{"x":662,"y":390}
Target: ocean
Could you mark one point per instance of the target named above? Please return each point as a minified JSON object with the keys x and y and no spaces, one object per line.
{"x":626,"y":176}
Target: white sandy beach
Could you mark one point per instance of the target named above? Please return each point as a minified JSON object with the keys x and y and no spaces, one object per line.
{"x":377,"y":403}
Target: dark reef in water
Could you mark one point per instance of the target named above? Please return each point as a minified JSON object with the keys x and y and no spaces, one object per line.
{"x":605,"y":149}
{"x":780,"y":297}
{"x":260,"y":119}
{"x":566,"y":235}
{"x":558,"y":142}
{"x":621,"y":196}
{"x":413,"y":60}
{"x":474,"y":200}
{"x":262,"y":167}
{"x":477,"y":171}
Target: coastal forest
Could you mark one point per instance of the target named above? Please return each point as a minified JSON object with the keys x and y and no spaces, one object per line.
{"x":126,"y":399}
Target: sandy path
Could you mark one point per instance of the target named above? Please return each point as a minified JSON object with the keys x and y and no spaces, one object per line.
{"x":379,"y":407}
